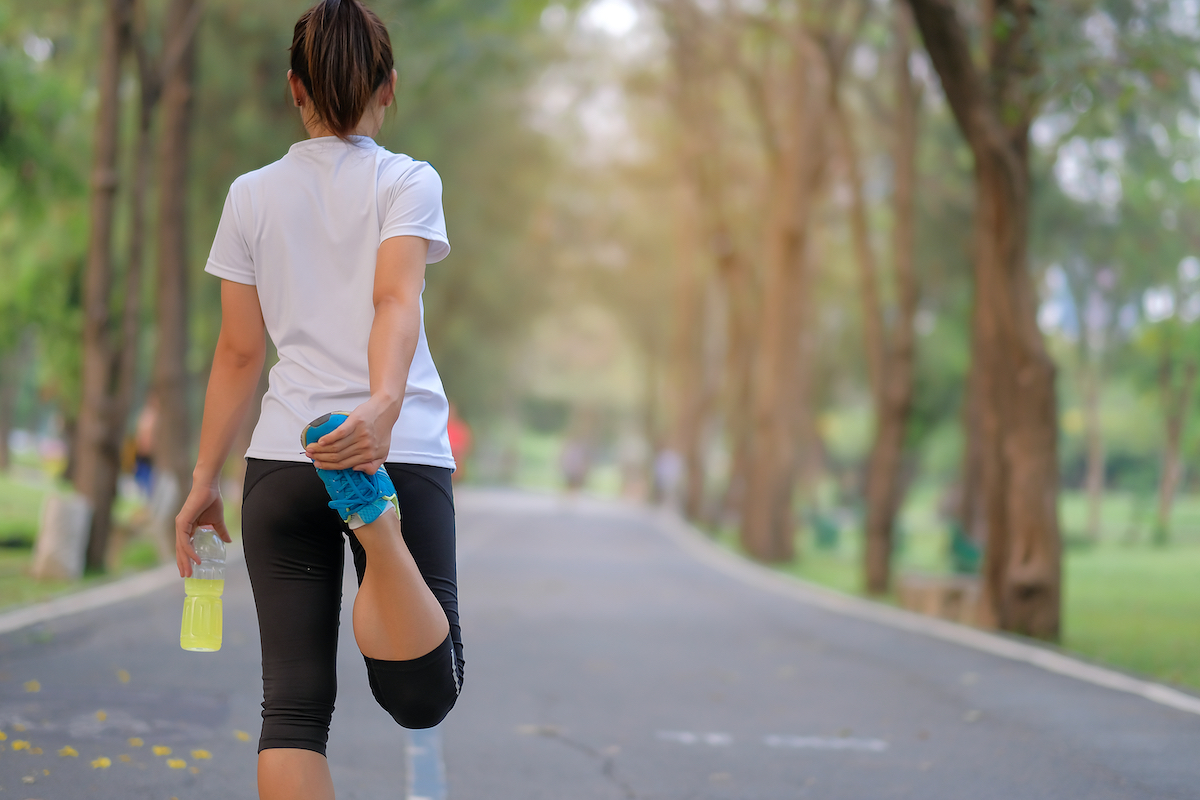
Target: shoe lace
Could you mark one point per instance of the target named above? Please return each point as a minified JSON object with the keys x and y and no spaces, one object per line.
{"x":352,"y":492}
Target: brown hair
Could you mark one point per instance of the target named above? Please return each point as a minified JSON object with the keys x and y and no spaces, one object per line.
{"x":342,"y":53}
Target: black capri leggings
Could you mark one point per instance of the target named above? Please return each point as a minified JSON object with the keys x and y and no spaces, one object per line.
{"x":294,"y":554}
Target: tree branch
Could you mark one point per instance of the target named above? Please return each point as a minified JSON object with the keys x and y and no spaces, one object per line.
{"x":946,"y":42}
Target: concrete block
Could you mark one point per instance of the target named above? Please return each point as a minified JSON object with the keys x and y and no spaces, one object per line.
{"x":62,"y":539}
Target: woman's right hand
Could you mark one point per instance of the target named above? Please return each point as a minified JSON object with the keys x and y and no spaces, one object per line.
{"x":361,"y":442}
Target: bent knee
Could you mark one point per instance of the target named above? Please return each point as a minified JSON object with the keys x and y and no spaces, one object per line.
{"x":421,"y":714}
{"x":417,"y":693}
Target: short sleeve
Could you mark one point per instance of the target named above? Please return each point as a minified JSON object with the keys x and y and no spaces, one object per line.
{"x":414,"y":208}
{"x":230,"y":255}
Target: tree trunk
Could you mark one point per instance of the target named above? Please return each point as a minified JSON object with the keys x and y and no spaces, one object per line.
{"x":883,"y":462}
{"x":885,"y":483}
{"x":1022,"y":571}
{"x":890,"y":349}
{"x":10,"y":370}
{"x":1177,"y":403}
{"x":651,"y":427}
{"x":690,"y":390}
{"x":97,"y":445}
{"x":739,"y":370}
{"x":702,"y":165}
{"x":1094,"y":482}
{"x":969,"y":508}
{"x":768,"y":524}
{"x":172,"y":452}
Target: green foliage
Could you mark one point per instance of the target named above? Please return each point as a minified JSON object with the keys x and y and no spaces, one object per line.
{"x":43,"y":151}
{"x":464,"y":67}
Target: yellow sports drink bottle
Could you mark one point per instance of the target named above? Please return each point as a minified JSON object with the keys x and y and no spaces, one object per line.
{"x":201,"y":629}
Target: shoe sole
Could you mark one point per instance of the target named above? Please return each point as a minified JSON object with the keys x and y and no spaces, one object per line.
{"x":316,"y":423}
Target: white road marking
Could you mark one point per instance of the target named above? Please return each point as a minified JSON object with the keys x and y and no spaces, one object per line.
{"x":764,"y":578}
{"x":425,"y":768}
{"x":826,"y":743}
{"x":688,"y":738}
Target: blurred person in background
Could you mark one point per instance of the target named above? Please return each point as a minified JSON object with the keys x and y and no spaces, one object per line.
{"x":668,"y":477}
{"x":575,"y":463}
{"x":143,"y":445}
{"x":460,"y":442}
{"x":326,"y":251}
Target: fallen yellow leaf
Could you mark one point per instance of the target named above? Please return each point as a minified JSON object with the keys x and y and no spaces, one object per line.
{"x":101,"y":715}
{"x":32,"y":686}
{"x":176,"y":763}
{"x":123,"y":675}
{"x":20,"y":744}
{"x":46,"y":772}
{"x":136,"y":742}
{"x":125,"y":758}
{"x":103,"y":762}
{"x":68,"y":751}
{"x":161,"y":750}
{"x":201,"y":754}
{"x":37,"y":751}
{"x":194,"y":770}
{"x":3,"y":736}
{"x":242,"y":736}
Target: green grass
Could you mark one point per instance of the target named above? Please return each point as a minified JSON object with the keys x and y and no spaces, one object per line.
{"x":20,"y":502}
{"x":539,"y":458}
{"x":21,"y":498}
{"x":18,"y":588}
{"x":1136,"y":607}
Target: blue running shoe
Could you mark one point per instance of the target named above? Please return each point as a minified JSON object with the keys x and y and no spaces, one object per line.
{"x":359,"y":498}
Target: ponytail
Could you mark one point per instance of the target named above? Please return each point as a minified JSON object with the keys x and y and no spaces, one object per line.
{"x":342,"y":54}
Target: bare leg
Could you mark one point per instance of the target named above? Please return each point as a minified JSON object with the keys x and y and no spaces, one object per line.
{"x":396,"y":617}
{"x":293,"y":774}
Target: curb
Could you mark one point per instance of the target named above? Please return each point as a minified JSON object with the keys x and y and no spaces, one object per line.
{"x":703,"y":549}
{"x":89,"y":599}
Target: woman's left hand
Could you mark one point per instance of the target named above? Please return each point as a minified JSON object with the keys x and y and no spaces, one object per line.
{"x":361,"y":442}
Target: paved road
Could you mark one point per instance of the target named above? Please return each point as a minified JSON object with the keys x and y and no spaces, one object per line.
{"x":603,"y":661}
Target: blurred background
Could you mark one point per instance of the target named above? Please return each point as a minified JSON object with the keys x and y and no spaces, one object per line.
{"x":917,"y":323}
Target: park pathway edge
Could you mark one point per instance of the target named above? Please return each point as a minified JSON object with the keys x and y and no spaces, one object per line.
{"x":99,"y":596}
{"x":705,"y":550}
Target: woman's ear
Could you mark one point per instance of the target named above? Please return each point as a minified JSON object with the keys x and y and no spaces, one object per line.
{"x":387,"y":93}
{"x":296,"y":87}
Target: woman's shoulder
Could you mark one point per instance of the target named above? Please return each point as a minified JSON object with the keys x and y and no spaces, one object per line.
{"x":399,"y":168}
{"x":283,"y":169}
{"x":255,"y":179}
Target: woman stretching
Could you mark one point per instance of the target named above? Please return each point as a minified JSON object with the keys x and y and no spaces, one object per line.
{"x":325,"y":250}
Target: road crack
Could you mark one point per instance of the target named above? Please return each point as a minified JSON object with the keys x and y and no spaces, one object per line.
{"x":606,"y":757}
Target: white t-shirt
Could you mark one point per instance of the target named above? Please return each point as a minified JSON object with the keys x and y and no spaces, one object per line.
{"x":305,"y":230}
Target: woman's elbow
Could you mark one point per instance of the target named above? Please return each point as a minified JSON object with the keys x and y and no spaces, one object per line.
{"x":241,"y":355}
